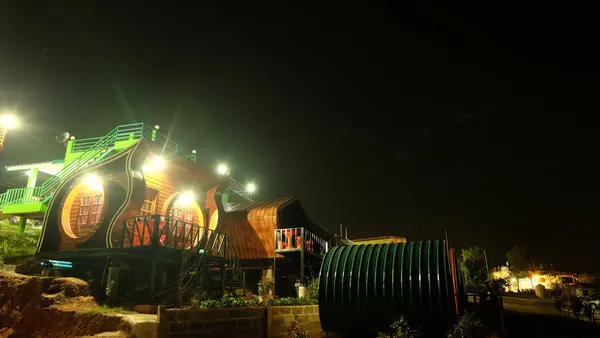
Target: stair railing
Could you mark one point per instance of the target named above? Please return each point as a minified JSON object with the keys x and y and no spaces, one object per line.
{"x":107,"y":141}
{"x":71,"y":168}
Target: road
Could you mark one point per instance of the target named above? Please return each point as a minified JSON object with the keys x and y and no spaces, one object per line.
{"x":539,"y":318}
{"x":531,"y":306}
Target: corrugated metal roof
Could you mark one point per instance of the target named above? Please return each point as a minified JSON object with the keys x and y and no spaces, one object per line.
{"x":245,"y":207}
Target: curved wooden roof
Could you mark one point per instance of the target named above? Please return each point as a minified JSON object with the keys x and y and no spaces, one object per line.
{"x":251,"y":226}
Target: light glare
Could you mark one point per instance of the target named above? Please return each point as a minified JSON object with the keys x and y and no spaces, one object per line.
{"x":9,"y":121}
{"x":251,"y":188}
{"x":158,"y":163}
{"x":93,"y":182}
{"x":185,"y":199}
{"x":222,"y":169}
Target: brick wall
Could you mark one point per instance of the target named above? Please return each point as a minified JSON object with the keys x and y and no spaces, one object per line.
{"x":281,"y":317}
{"x":230,"y":323}
{"x":239,"y":322}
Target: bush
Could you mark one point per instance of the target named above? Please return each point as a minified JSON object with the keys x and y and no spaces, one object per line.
{"x":4,"y":251}
{"x":295,"y":330}
{"x":288,"y":301}
{"x":312,"y":291}
{"x":468,"y":326}
{"x":225,"y":302}
{"x":399,"y":329}
{"x":265,"y":289}
{"x":20,"y":246}
{"x":232,"y":302}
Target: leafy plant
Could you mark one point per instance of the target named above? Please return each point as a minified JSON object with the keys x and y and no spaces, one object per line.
{"x":518,"y":262}
{"x":295,"y":330}
{"x":226,"y":302}
{"x":265,"y":289}
{"x":473,"y":266}
{"x":312,"y":291}
{"x":399,"y":329}
{"x":4,"y":251}
{"x":288,"y":301}
{"x":21,"y":246}
{"x":468,"y":326}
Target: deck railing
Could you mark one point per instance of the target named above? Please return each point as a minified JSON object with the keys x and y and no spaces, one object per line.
{"x":161,"y":231}
{"x":21,"y":195}
{"x":297,"y":239}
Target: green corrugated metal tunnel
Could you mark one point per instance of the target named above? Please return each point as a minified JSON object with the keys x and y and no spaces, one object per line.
{"x":363,"y":288}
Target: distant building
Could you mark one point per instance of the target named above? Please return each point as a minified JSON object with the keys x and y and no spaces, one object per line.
{"x":550,"y":279}
{"x":380,"y":240}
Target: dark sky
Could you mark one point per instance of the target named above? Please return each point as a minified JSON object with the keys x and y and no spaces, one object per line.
{"x":393,"y":121}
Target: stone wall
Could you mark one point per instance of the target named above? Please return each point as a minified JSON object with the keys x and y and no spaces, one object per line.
{"x":281,"y":317}
{"x":239,"y":322}
{"x":226,"y":323}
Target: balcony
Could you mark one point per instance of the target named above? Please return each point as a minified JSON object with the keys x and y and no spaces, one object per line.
{"x":157,"y":231}
{"x":298,"y":240}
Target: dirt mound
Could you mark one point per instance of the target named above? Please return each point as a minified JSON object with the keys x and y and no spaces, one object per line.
{"x":51,"y":307}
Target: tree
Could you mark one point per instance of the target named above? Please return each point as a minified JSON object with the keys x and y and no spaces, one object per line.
{"x":186,"y":278}
{"x":473,"y":266}
{"x":518,"y":262}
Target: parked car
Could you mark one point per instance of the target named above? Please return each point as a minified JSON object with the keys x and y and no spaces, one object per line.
{"x":593,"y":301}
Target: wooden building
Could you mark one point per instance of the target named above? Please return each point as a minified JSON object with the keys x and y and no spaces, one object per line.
{"x":136,"y":198}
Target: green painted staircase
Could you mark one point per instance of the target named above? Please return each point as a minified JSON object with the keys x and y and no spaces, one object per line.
{"x":93,"y":151}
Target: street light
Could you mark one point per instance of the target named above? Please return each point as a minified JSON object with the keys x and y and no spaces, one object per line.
{"x":7,"y":121}
{"x":251,"y":188}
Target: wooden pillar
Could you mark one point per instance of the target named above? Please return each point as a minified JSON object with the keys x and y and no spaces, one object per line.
{"x":302,"y":259}
{"x":112,"y":285}
{"x":275,"y":262}
{"x":223,"y":277}
{"x":244,"y":281}
{"x":152,"y":278}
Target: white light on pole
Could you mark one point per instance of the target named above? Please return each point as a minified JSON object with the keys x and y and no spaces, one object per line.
{"x":94,"y":182}
{"x":251,"y":188}
{"x":7,"y":121}
{"x":222,"y":169}
{"x":185,"y":199}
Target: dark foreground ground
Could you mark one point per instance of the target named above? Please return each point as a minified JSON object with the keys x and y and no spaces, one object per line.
{"x":534,"y":318}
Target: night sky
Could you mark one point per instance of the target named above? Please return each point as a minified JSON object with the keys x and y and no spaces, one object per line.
{"x":393,"y":121}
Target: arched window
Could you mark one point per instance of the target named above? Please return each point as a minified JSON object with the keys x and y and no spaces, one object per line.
{"x":90,"y":208}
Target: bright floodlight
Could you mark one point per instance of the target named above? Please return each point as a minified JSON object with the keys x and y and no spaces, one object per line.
{"x":9,"y":121}
{"x":222,"y":169}
{"x":185,"y":199}
{"x":251,"y":188}
{"x":93,"y":182}
{"x":158,"y":162}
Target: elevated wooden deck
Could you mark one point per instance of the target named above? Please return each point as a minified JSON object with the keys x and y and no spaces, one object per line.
{"x":159,"y":238}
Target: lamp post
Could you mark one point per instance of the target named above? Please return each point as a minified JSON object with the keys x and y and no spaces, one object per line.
{"x":251,"y":189}
{"x":7,"y":121}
